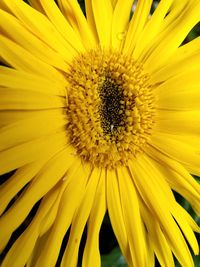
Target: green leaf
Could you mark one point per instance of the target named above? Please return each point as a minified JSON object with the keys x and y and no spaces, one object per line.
{"x":114,"y":259}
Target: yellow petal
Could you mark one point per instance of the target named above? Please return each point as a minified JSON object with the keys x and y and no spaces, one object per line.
{"x":176,"y":10}
{"x":3,"y":6}
{"x":187,"y":224}
{"x":17,"y":181}
{"x":152,"y":28}
{"x":70,"y":257}
{"x":19,"y":58}
{"x":181,"y":151}
{"x":21,"y":250}
{"x":132,"y":218}
{"x":150,"y":253}
{"x":38,"y":24}
{"x":156,"y":238}
{"x":23,"y":100}
{"x":23,"y":154}
{"x":91,"y":256}
{"x":90,"y":19}
{"x":157,"y":197}
{"x":136,"y":25}
{"x":103,"y":13}
{"x":62,"y":25}
{"x":83,"y":27}
{"x":183,"y":66}
{"x":182,"y":218}
{"x":52,"y":172}
{"x":67,"y":11}
{"x":30,"y":42}
{"x":186,"y":50}
{"x":116,"y":214}
{"x":178,"y":122}
{"x":51,"y":216}
{"x":120,"y":22}
{"x":23,"y":134}
{"x":8,"y":116}
{"x":36,"y":4}
{"x":77,"y":177}
{"x":15,"y":79}
{"x":180,"y":92}
{"x":178,"y":177}
{"x":173,"y":37}
{"x":49,"y":219}
{"x":37,"y":250}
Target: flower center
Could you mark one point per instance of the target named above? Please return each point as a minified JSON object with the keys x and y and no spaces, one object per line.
{"x":110,"y":108}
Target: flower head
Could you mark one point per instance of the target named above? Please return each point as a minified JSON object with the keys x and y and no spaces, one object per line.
{"x":98,"y":113}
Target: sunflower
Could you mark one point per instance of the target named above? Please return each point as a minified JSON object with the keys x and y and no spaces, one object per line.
{"x":98,"y":113}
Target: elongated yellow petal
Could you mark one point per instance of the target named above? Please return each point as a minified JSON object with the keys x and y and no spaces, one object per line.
{"x":178,"y":122}
{"x":17,"y":181}
{"x":90,"y":18}
{"x":37,"y":250}
{"x":19,"y":58}
{"x":183,"y":152}
{"x":62,"y":25}
{"x":187,"y":226}
{"x":27,"y":240}
{"x":180,"y":92}
{"x":52,"y":172}
{"x":30,"y":42}
{"x":173,"y":37}
{"x":186,"y":50}
{"x":187,"y":180}
{"x":77,"y":177}
{"x":150,"y":253}
{"x":132,"y":218}
{"x":36,"y":4}
{"x":70,"y":257}
{"x":91,"y":256}
{"x":51,"y":216}
{"x":23,"y":154}
{"x":176,"y":10}
{"x":156,"y":238}
{"x":15,"y":79}
{"x":152,"y":27}
{"x":48,"y":125}
{"x":156,"y":198}
{"x":116,"y":214}
{"x":103,"y":13}
{"x":38,"y":24}
{"x":120,"y":21}
{"x":183,"y":66}
{"x":182,"y":218}
{"x":178,"y":178}
{"x":22,"y":99}
{"x":83,"y":27}
{"x":9,"y":117}
{"x":68,"y":12}
{"x":137,"y":24}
